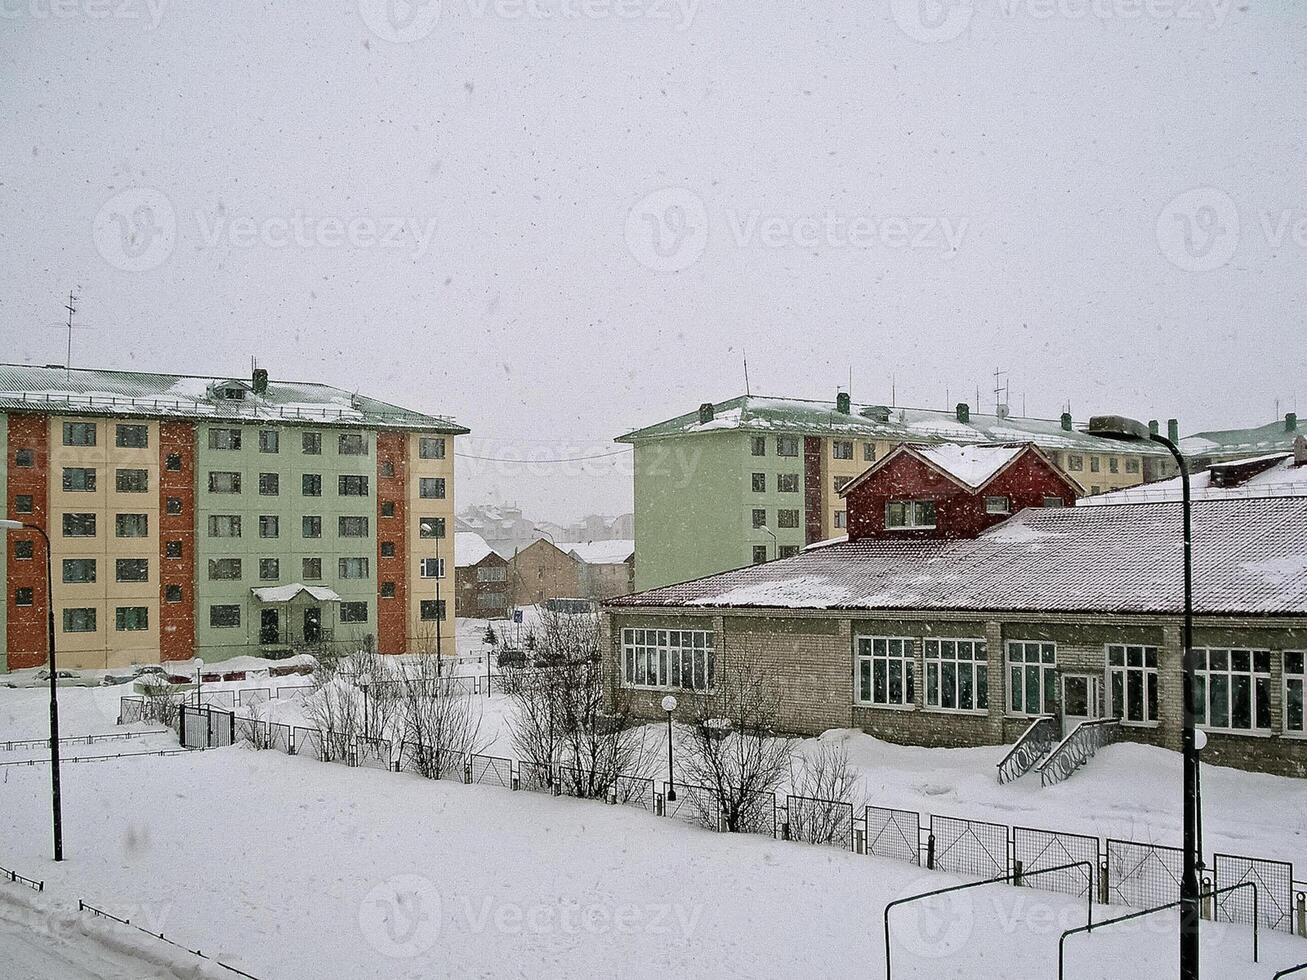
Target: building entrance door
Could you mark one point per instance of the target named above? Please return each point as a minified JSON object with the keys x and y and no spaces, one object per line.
{"x":1082,"y":700}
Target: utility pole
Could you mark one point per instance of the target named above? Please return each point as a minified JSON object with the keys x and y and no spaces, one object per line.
{"x":68,"y":361}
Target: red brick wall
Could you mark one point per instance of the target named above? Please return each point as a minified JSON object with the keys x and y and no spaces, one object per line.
{"x":392,"y":614}
{"x":177,"y":619}
{"x":814,"y":489}
{"x":25,"y":637}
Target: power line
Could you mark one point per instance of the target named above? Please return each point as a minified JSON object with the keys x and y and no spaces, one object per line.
{"x":563,"y":459}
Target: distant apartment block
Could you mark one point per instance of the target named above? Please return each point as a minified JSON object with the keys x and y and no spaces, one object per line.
{"x":218,"y":516}
{"x":755,"y":478}
{"x":1223,"y":445}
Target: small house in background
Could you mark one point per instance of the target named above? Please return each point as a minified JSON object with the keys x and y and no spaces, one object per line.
{"x":607,"y":568}
{"x":480,"y":578}
{"x":542,"y":571}
{"x":1271,"y":475}
{"x":952,"y":490}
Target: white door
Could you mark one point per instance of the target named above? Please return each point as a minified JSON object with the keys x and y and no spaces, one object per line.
{"x":1082,"y":700}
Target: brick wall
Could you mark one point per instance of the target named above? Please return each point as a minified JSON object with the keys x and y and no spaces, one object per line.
{"x":26,"y":626}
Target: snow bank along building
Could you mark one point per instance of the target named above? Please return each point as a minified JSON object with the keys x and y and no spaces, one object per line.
{"x":927,"y":629}
{"x":217,"y":516}
{"x":713,"y":486}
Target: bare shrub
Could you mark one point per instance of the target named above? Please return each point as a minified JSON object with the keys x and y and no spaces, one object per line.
{"x":161,"y":703}
{"x":441,"y":724}
{"x":827,"y":786}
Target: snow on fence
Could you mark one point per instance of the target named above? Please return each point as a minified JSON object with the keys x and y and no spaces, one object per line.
{"x":16,"y":878}
{"x":967,"y":847}
{"x":83,"y":906}
{"x":492,"y":769}
{"x":1041,"y":850}
{"x":44,"y":743}
{"x":1274,"y":880}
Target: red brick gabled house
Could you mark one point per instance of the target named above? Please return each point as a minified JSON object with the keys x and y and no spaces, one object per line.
{"x":952,"y":491}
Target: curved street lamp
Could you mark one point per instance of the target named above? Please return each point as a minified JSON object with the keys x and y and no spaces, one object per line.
{"x":1125,"y":429}
{"x":433,"y":529}
{"x":669,"y":705}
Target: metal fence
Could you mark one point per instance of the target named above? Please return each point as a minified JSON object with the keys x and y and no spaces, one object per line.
{"x":538,"y":777}
{"x":635,"y":791}
{"x":1042,"y":850}
{"x":692,"y":804}
{"x":968,"y":847}
{"x":1142,"y":875}
{"x":491,"y":769}
{"x":253,"y":695}
{"x":206,"y":728}
{"x":893,"y":833}
{"x":816,"y":821}
{"x":1274,"y":880}
{"x":371,"y":753}
{"x":308,"y":741}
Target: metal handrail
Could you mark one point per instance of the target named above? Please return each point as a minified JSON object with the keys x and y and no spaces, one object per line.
{"x":1289,"y":970}
{"x":1029,"y":748}
{"x":1077,"y":748}
{"x":14,"y":876}
{"x":83,"y":906}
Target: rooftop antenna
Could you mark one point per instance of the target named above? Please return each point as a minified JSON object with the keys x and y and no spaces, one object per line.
{"x":68,"y":362}
{"x":1000,"y":391}
{"x":746,"y":374}
{"x":893,"y":390}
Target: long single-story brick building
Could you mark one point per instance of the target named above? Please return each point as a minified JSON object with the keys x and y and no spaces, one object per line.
{"x":1070,"y":611}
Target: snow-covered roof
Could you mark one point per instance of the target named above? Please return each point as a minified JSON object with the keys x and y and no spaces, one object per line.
{"x":613,"y":552}
{"x":1250,"y":557}
{"x":1282,"y":479}
{"x":970,"y":466}
{"x":469,"y":548}
{"x":285,"y":593}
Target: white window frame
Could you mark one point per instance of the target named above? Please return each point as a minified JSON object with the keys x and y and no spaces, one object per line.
{"x":1148,"y":678}
{"x":427,"y":564}
{"x":1047,"y":677}
{"x":998,"y":505}
{"x":841,"y":449}
{"x":939,"y":652}
{"x":873,"y":652}
{"x":1203,"y":675}
{"x":668,"y":659}
{"x":913,"y":521}
{"x":1297,"y":678}
{"x":785,"y":442}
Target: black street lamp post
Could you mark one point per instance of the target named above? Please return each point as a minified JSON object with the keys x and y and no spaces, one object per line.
{"x":669,"y":705}
{"x":1130,"y":430}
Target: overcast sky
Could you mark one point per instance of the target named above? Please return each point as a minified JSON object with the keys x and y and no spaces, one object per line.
{"x":561,"y":219}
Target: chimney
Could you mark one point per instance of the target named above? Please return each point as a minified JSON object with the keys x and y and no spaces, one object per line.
{"x":1291,"y":422}
{"x":1001,"y":410}
{"x":1300,"y":451}
{"x":1173,"y":430}
{"x":1066,"y":421}
{"x":842,"y":403}
{"x":964,"y":412}
{"x":1153,"y":427}
{"x":705,"y":412}
{"x":260,"y":381}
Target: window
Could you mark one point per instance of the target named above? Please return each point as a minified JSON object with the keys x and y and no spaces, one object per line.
{"x":311,"y":527}
{"x":758,"y":446}
{"x":431,"y":447}
{"x":131,"y":526}
{"x":132,"y":570}
{"x":1233,"y":689}
{"x":224,"y":482}
{"x":492,"y":573}
{"x":23,"y":597}
{"x":224,"y":569}
{"x":79,"y":434}
{"x":128,"y":619}
{"x":1294,"y":680}
{"x":353,"y":612}
{"x":787,"y":445}
{"x":885,"y":671}
{"x":132,"y":481}
{"x":759,"y":554}
{"x":269,"y":484}
{"x":841,"y":449}
{"x":224,"y":617}
{"x":840,"y":482}
{"x":352,"y":568}
{"x":431,"y":609}
{"x":431,"y":527}
{"x":1132,"y":464}
{"x":22,"y":551}
{"x":787,"y":482}
{"x":79,"y":478}
{"x":1132,"y":682}
{"x":172,"y":593}
{"x":388,"y":508}
{"x":22,"y":503}
{"x":759,"y":483}
{"x":910,"y":514}
{"x":432,"y":568}
{"x":1095,"y":464}
{"x":1032,"y":677}
{"x":174,"y":505}
{"x":173,"y":462}
{"x":351,"y":444}
{"x":79,"y":571}
{"x":269,"y":526}
{"x":1054,"y":502}
{"x":1095,"y":489}
{"x":352,"y":486}
{"x":269,"y":441}
{"x":841,"y":519}
{"x":311,"y":569}
{"x":869,"y":452}
{"x":224,"y":525}
{"x":311,"y":443}
{"x":79,"y":525}
{"x":132,"y":436}
{"x":387,"y":590}
{"x":1113,"y":464}
{"x":431,"y":487}
{"x":24,"y":458}
{"x":224,"y":438}
{"x":352,"y":527}
{"x":388,"y":549}
{"x":1075,"y":463}
{"x":759,"y":517}
{"x":491,"y":600}
{"x":269,"y":569}
{"x":678,"y":659}
{"x":173,"y":549}
{"x":998,"y":505}
{"x":957,"y":675}
{"x":787,"y":518}
{"x":311,"y":485}
{"x":788,"y":550}
{"x":79,"y":620}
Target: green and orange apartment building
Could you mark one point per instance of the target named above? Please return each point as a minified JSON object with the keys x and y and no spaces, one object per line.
{"x":217,"y":517}
{"x":756,"y":478}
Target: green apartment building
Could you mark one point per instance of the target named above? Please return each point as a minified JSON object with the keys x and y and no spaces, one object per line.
{"x":755,"y":478}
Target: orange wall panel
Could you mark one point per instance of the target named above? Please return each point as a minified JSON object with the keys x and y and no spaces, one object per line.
{"x":177,"y":619}
{"x":26,"y":638}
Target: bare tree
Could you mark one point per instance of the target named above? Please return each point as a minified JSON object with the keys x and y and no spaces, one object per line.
{"x":160,"y":702}
{"x":825,"y":795}
{"x":733,"y":747}
{"x":441,"y":726}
